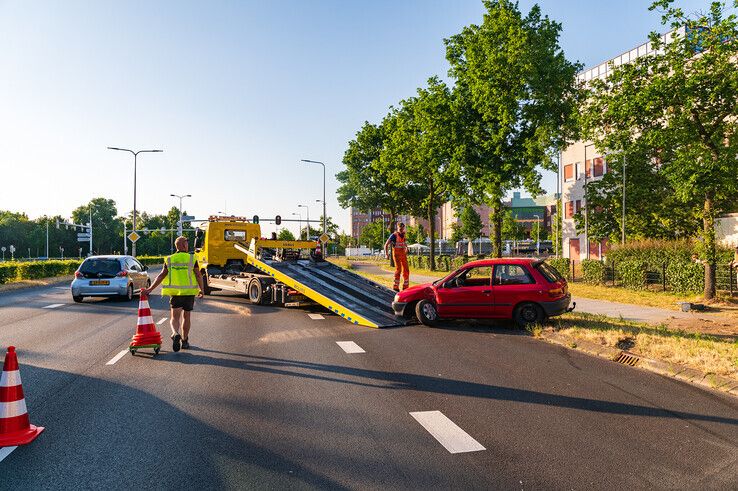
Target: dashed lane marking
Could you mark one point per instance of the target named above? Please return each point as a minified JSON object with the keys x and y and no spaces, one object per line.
{"x":117,"y":357}
{"x":350,"y":347}
{"x":54,"y":305}
{"x":161,"y":321}
{"x":316,"y":317}
{"x":448,"y":434}
{"x":5,"y":451}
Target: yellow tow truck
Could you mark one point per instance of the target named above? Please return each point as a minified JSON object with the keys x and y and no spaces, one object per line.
{"x":233,"y":256}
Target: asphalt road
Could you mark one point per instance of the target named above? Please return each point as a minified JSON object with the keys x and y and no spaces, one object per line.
{"x":267,"y":399}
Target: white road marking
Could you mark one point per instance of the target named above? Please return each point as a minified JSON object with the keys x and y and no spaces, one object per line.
{"x":447,"y":432}
{"x":350,"y":347}
{"x":161,"y":321}
{"x":316,"y":317}
{"x":5,"y":451}
{"x":62,"y":287}
{"x":54,"y":305}
{"x":117,"y":357}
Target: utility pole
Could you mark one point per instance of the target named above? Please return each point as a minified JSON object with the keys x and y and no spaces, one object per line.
{"x":47,"y":239}
{"x":179,"y":223}
{"x":622,"y":238}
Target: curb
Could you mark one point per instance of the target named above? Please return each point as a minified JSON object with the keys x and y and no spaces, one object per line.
{"x":41,"y":282}
{"x":666,"y":369}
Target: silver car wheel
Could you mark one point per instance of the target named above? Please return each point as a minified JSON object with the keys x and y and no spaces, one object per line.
{"x":429,"y":311}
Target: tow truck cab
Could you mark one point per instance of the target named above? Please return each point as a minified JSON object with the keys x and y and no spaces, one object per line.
{"x":214,"y":242}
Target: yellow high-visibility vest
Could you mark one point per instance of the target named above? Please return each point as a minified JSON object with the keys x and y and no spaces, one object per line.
{"x":180,"y":275}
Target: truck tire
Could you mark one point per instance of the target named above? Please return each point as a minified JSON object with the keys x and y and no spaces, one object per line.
{"x":256,"y":292}
{"x":205,"y":286}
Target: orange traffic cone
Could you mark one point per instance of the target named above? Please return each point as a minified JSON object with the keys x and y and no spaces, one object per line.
{"x":146,"y":334}
{"x":15,"y":427}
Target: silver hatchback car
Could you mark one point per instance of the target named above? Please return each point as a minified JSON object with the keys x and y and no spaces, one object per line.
{"x":109,"y":276}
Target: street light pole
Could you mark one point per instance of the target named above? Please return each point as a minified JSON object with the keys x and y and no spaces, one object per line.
{"x":538,"y":234}
{"x":179,"y":223}
{"x":135,"y":164}
{"x":307,"y":232}
{"x":324,"y":215}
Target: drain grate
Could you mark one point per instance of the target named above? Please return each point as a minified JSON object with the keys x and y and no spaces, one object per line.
{"x":627,"y":359}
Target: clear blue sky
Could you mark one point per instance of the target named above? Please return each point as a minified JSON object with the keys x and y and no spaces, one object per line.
{"x":235,"y":92}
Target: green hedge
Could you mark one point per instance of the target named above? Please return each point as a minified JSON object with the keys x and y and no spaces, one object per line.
{"x":562,"y":265}
{"x":659,"y":252}
{"x":686,"y":277}
{"x":632,"y":273}
{"x":33,"y":270}
{"x":593,"y":271}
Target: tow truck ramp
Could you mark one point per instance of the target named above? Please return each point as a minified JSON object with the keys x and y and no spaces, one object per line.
{"x":353,"y":297}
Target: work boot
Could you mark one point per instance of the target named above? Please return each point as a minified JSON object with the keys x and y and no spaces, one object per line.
{"x":185,"y":344}
{"x":176,"y":342}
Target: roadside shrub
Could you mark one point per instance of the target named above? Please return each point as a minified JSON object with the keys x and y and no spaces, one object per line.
{"x":8,"y":272}
{"x":632,"y":272}
{"x":686,"y":277}
{"x":151,"y":260}
{"x":562,"y":265}
{"x":593,"y":271}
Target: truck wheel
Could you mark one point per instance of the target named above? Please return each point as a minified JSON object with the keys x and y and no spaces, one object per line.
{"x":205,"y":287}
{"x":256,"y":292}
{"x":426,"y":313}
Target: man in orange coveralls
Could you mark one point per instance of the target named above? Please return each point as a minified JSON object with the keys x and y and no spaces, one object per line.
{"x":399,"y":253}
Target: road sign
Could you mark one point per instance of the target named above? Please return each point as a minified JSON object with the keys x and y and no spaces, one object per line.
{"x":3,"y":248}
{"x":187,"y":218}
{"x":163,"y":229}
{"x":83,"y":235}
{"x":324,"y":238}
{"x":12,"y":249}
{"x":133,"y":237}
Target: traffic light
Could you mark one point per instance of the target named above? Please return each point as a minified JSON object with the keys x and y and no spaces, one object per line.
{"x":278,"y":220}
{"x":255,"y":219}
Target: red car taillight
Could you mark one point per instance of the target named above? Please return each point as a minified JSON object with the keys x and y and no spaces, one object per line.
{"x":77,"y":274}
{"x":122,"y":273}
{"x":556,"y":292}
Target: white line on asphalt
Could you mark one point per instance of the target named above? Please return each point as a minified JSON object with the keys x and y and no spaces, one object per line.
{"x":62,"y":287}
{"x":447,"y":432}
{"x":316,"y":317}
{"x":161,"y":321}
{"x":350,"y":347}
{"x":117,"y":357}
{"x":54,"y":305}
{"x":5,"y":451}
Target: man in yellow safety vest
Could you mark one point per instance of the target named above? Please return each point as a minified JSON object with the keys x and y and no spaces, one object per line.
{"x":180,"y":269}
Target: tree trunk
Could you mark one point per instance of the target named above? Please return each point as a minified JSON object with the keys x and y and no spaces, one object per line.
{"x":708,"y":220}
{"x":432,"y":227}
{"x":496,"y":228}
{"x":392,"y":228}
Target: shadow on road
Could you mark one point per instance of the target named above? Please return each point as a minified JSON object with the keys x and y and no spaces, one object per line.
{"x":424,"y":383}
{"x":112,"y":436}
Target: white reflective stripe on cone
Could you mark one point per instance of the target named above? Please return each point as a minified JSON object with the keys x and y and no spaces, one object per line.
{"x":10,"y":379}
{"x":13,"y":409}
{"x":143,"y":304}
{"x":145,"y":321}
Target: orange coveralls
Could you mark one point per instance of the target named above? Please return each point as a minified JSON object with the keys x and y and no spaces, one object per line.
{"x":399,"y":253}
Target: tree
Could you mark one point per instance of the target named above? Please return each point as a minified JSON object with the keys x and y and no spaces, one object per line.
{"x":372,"y":235}
{"x":510,"y":228}
{"x":416,"y":234}
{"x":471,"y":223}
{"x":538,"y":231}
{"x":285,"y":234}
{"x":679,"y":104}
{"x":107,"y":230}
{"x":456,"y":234}
{"x":516,"y":98}
{"x":419,"y":150}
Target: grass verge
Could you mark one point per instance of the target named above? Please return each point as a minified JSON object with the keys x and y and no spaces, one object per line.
{"x":710,"y":354}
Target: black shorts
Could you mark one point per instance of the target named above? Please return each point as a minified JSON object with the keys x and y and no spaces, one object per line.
{"x":186,"y":302}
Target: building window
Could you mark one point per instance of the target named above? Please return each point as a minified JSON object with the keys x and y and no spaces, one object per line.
{"x":569,"y":172}
{"x":588,"y":168}
{"x":579,"y":205}
{"x":569,"y":209}
{"x":599,"y":167}
{"x":577,"y":170}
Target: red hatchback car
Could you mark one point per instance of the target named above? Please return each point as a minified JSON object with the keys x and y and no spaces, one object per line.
{"x":525,"y":290}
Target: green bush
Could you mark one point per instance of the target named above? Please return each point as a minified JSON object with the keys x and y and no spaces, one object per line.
{"x":593,"y":271}
{"x":562,"y":265}
{"x":632,"y":273}
{"x":8,"y":272}
{"x":151,"y":260}
{"x":686,"y":277}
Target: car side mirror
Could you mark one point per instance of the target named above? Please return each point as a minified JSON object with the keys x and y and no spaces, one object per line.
{"x":146,"y":268}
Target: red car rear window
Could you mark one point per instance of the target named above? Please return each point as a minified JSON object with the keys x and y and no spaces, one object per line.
{"x":548,"y":272}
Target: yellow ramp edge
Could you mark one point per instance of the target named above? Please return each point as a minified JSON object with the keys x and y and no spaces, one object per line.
{"x":326,"y":302}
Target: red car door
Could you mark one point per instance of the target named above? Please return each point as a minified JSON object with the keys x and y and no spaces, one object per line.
{"x":512,"y":284}
{"x":466,"y":295}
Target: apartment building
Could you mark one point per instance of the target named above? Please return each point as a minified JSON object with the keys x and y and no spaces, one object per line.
{"x":581,"y":164}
